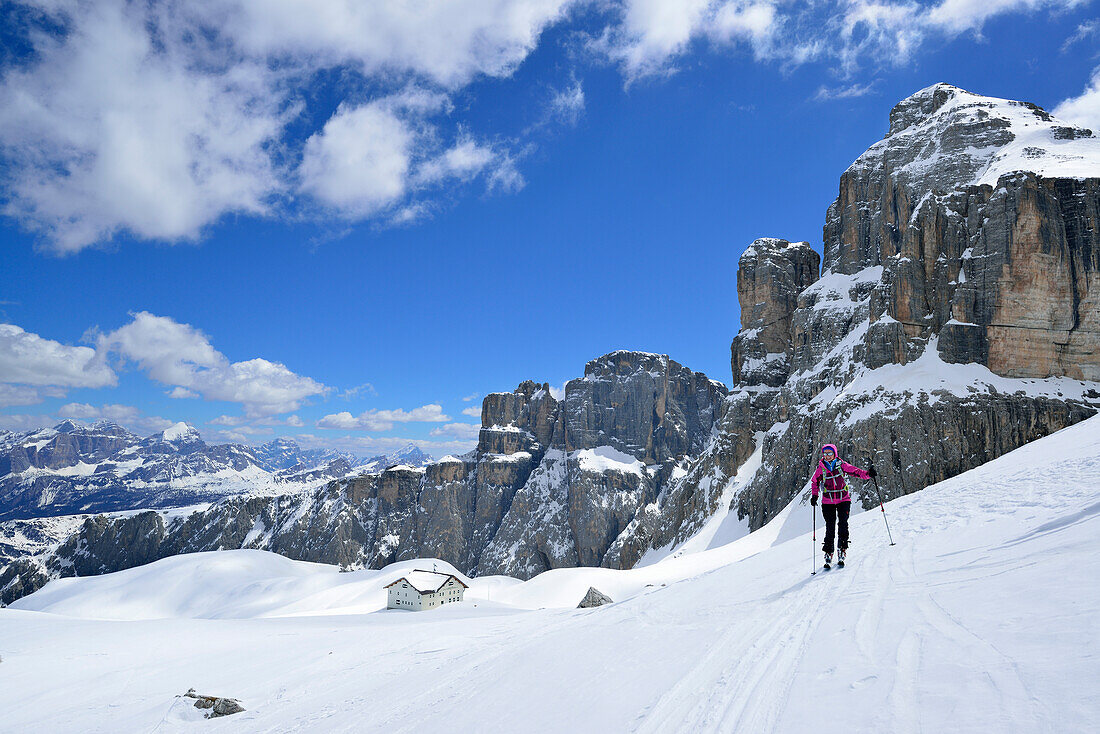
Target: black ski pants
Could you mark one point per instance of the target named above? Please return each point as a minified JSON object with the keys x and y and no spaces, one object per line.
{"x":833,"y":514}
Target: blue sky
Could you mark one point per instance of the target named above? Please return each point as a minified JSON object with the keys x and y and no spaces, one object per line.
{"x":347,"y":225}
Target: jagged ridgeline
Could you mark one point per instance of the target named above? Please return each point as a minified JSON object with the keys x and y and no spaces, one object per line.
{"x":955,"y":316}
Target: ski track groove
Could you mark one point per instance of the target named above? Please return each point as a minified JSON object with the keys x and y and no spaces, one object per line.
{"x":749,"y":681}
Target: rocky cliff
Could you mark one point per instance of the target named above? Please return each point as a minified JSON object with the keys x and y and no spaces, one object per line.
{"x":957,"y":315}
{"x":954,"y":318}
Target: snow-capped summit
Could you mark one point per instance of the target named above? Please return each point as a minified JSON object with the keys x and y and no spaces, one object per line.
{"x":180,"y":433}
{"x":944,"y":137}
{"x":76,"y":468}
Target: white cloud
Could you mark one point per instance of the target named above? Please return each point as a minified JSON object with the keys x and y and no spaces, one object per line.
{"x":182,"y":393}
{"x":649,"y":35}
{"x":1084,"y":31}
{"x":472,"y":412}
{"x":653,"y":31}
{"x":157,"y":119}
{"x":125,"y":415}
{"x":26,"y":395}
{"x":471,"y":396}
{"x":180,"y":355}
{"x":342,"y":420}
{"x":466,"y":159}
{"x":450,"y":43}
{"x":372,"y":446}
{"x":28,"y":359}
{"x":383,"y":420}
{"x":373,"y":158}
{"x":567,"y":105}
{"x":469,"y":431}
{"x":359,"y":163}
{"x":825,"y":94}
{"x":150,"y":139}
{"x":228,"y":420}
{"x":351,"y":392}
{"x":19,"y":423}
{"x":1084,"y":109}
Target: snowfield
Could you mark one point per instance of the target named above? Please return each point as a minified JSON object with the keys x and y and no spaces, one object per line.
{"x":985,"y":617}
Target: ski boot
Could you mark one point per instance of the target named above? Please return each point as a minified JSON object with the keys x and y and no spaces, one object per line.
{"x":840,"y":558}
{"x":828,"y":561}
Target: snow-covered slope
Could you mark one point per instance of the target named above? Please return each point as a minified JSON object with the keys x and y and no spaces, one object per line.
{"x":982,"y":618}
{"x":943,"y":137}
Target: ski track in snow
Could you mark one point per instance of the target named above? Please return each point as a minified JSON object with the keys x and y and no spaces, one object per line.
{"x":983,"y":618}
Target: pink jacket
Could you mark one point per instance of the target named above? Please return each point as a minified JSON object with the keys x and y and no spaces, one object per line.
{"x":836,"y":490}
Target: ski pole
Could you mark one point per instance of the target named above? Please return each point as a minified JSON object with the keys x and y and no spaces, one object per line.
{"x":881,"y":507}
{"x":813,"y":514}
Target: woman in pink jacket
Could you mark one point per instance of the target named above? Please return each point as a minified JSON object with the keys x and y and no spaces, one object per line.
{"x":836,"y":503}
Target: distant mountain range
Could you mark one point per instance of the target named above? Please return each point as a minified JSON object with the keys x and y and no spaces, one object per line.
{"x":74,"y":468}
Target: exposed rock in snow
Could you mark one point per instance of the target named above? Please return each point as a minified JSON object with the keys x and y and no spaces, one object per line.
{"x":594,"y":598}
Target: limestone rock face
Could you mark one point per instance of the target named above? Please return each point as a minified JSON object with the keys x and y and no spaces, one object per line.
{"x":770,"y":275}
{"x":983,"y":214}
{"x":644,"y":405}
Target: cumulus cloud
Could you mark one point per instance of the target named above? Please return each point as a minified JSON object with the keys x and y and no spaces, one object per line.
{"x":237,"y":421}
{"x":29,"y":359}
{"x":1084,"y":109}
{"x":182,"y":356}
{"x":26,"y":395}
{"x":117,"y":126}
{"x":157,"y":119}
{"x":359,"y":163}
{"x":472,"y":412}
{"x":22,"y":422}
{"x":374,"y":445}
{"x":450,"y":43}
{"x":383,"y":420}
{"x":469,"y":431}
{"x":647,"y":36}
{"x":125,"y":415}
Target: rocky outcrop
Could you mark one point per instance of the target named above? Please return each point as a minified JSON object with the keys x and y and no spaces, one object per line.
{"x":20,"y":577}
{"x":770,"y":275}
{"x":594,"y":598}
{"x":983,"y":213}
